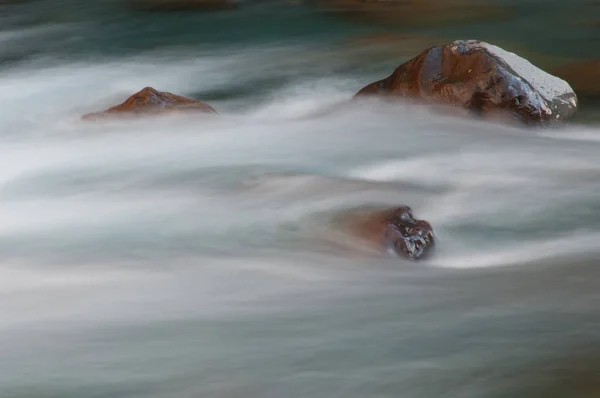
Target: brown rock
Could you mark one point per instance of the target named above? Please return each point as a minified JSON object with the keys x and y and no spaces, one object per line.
{"x":584,"y":76}
{"x":150,"y":101}
{"x":394,"y":230}
{"x":415,"y":13}
{"x":481,"y":78}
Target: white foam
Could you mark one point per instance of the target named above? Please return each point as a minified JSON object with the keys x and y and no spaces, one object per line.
{"x":18,"y":277}
{"x":581,"y":242}
{"x":145,"y":186}
{"x":9,"y":36}
{"x":580,"y":133}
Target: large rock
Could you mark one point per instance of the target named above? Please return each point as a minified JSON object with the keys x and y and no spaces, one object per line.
{"x":482,"y":78}
{"x":150,"y":101}
{"x":393,"y":230}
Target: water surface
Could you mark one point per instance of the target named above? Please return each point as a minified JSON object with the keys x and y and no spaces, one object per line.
{"x":199,"y":257}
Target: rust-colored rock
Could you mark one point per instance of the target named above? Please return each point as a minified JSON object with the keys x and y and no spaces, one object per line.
{"x":482,"y":78}
{"x":150,"y":101}
{"x":394,"y":230}
{"x":415,"y":13}
{"x":584,"y":76}
{"x":179,"y":5}
{"x":406,"y":235}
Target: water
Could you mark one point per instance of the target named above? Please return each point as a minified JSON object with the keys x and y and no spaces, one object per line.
{"x":202,"y":257}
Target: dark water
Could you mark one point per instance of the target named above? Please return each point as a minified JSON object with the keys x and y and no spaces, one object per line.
{"x":191,"y":257}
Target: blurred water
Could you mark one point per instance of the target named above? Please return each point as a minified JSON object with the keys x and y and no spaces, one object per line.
{"x":199,"y":257}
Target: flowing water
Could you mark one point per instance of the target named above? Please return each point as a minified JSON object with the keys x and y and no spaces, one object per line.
{"x":192,"y":256}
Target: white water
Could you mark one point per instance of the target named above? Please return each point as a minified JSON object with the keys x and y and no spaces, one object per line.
{"x":194,"y":256}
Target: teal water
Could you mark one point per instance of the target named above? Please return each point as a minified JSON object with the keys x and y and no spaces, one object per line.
{"x":191,"y":257}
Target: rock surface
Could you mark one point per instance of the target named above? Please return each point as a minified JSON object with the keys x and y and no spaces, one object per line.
{"x":395,"y":230}
{"x":406,"y":235}
{"x":150,"y":101}
{"x":482,"y":78}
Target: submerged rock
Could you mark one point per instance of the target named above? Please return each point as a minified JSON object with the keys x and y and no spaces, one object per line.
{"x":406,"y":235}
{"x":482,"y":78}
{"x":150,"y":101}
{"x":393,"y":230}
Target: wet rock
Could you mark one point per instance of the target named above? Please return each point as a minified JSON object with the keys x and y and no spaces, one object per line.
{"x":415,"y":13}
{"x":584,"y":76}
{"x":482,"y":78}
{"x":406,"y":235}
{"x":178,"y":5}
{"x":393,"y":230}
{"x":150,"y":101}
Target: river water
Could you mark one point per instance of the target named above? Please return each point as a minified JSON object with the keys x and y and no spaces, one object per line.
{"x":200,"y":257}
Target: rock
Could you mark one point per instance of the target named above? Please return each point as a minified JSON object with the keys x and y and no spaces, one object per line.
{"x":394,"y":230}
{"x":406,"y":235}
{"x":482,"y":78}
{"x":150,"y":101}
{"x":584,"y":76}
{"x":415,"y":13}
{"x":178,"y":5}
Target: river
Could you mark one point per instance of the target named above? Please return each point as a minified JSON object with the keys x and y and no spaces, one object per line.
{"x":192,"y":256}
